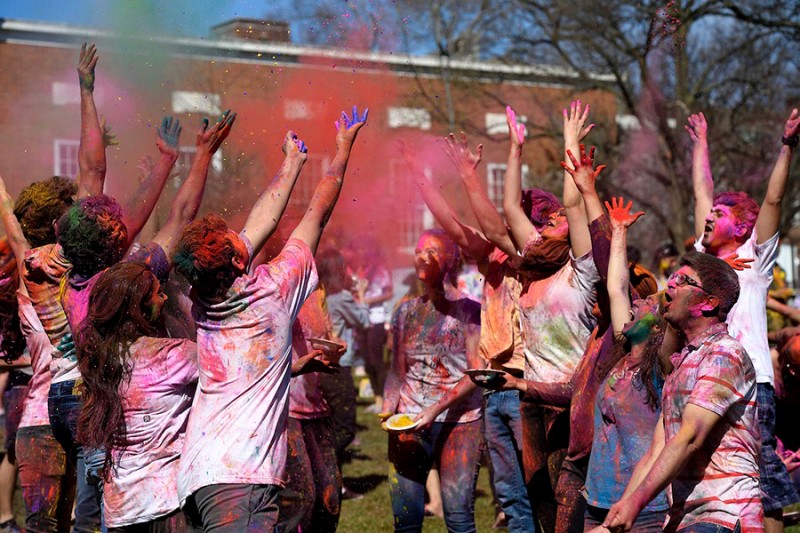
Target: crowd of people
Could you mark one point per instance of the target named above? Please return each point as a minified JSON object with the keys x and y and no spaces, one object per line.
{"x":608,"y":398}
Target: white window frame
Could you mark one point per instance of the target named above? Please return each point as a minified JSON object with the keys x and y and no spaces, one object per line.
{"x":58,"y":163}
{"x":408,"y":117}
{"x":495,"y":181}
{"x":496,"y":123}
{"x":196,"y":102}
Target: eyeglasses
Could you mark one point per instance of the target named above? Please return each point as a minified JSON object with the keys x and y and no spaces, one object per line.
{"x":681,"y":280}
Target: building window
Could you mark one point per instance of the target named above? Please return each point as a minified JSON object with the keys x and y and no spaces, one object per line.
{"x":194,"y":102}
{"x":495,"y":180}
{"x":496,"y":123}
{"x":302,"y":110}
{"x":65,"y":158}
{"x":186,"y":155}
{"x":409,"y":117}
{"x":313,"y":171}
{"x":413,"y":221}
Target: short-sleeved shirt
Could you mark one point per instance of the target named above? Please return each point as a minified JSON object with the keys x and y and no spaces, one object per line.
{"x":747,"y":320}
{"x":557,"y":319}
{"x":35,"y":411}
{"x":623,"y":431}
{"x":347,"y":318}
{"x":237,"y":428}
{"x":719,"y":484}
{"x":501,"y":332}
{"x":433,"y":343}
{"x":306,"y":401}
{"x":156,"y":403}
{"x":44,"y":270}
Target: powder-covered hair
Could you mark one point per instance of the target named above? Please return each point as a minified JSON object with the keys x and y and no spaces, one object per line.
{"x":12,"y":341}
{"x":452,"y":256}
{"x":92,"y":235}
{"x":119,"y":313}
{"x":40,"y":204}
{"x":204,"y":255}
{"x":717,"y":278}
{"x":538,"y":205}
{"x":744,"y":208}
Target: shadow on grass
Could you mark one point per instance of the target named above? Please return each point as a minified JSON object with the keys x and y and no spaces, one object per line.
{"x":364,"y":484}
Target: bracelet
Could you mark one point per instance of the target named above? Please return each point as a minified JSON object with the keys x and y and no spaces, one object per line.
{"x":791,"y":142}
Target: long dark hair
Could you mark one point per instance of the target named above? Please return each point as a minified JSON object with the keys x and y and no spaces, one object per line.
{"x":119,"y":313}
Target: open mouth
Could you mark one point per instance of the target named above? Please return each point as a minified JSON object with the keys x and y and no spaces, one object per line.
{"x":708,"y":228}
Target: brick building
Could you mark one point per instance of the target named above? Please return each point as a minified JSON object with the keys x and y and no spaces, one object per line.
{"x":251,"y":67}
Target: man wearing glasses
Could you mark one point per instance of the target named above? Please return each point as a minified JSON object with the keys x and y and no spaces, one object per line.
{"x":707,"y":443}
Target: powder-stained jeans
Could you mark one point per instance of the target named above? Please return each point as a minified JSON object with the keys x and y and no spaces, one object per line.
{"x":456,"y":450}
{"x":175,"y":522}
{"x":64,"y":405}
{"x":646,"y":522}
{"x":313,"y":494}
{"x":503,"y":427}
{"x":233,"y":508}
{"x":48,"y":485}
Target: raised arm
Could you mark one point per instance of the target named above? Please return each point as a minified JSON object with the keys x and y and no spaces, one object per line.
{"x":138,"y":207}
{"x":702,"y":180}
{"x":92,"y":148}
{"x":489,"y":219}
{"x":618,"y":272}
{"x":574,"y":133}
{"x":769,"y":217}
{"x":520,"y":225}
{"x":468,"y":238}
{"x":16,"y":239}
{"x":187,"y":200}
{"x":268,"y":209}
{"x":327,"y":192}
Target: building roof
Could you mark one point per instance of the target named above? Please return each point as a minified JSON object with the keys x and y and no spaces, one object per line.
{"x":286,"y":54}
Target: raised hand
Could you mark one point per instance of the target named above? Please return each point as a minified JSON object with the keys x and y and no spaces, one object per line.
{"x":168,"y":135}
{"x":293,"y":146}
{"x":574,"y":120}
{"x":86,"y":63}
{"x":462,"y":157}
{"x":697,"y":127}
{"x":314,"y":362}
{"x":582,"y":171}
{"x":516,"y":132}
{"x":737,"y":263}
{"x":792,"y":126}
{"x":209,"y":139}
{"x":620,"y":214}
{"x":347,"y":128}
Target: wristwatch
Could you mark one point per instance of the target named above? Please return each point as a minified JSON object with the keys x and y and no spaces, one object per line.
{"x":791,"y":142}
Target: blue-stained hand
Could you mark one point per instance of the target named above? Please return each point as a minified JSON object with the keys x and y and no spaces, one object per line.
{"x":170,"y":131}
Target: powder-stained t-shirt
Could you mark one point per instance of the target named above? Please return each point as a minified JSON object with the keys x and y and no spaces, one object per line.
{"x":348,"y":319}
{"x":719,"y":484}
{"x":557,"y":320}
{"x":306,"y":401}
{"x":237,"y":428}
{"x":747,"y":320}
{"x":433,"y":344}
{"x":623,"y":431}
{"x":156,"y":403}
{"x":35,"y":411}
{"x":44,"y":271}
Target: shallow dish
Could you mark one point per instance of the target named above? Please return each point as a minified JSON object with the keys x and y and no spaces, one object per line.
{"x":400,"y":422}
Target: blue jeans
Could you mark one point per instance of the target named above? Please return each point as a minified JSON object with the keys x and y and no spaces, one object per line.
{"x":503,"y":429}
{"x":64,"y":406}
{"x":707,"y":527}
{"x":456,"y":449}
{"x":646,"y":522}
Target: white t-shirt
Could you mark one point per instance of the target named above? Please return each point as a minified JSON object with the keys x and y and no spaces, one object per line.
{"x":156,"y":403}
{"x":237,"y":428}
{"x":747,"y":321}
{"x":556,"y":314}
{"x":35,"y":413}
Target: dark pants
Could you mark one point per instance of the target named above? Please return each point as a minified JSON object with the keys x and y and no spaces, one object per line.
{"x":374,"y":362}
{"x":777,"y":488}
{"x":64,"y":405}
{"x":340,"y":394}
{"x":313,"y":494}
{"x":174,"y":522}
{"x":646,"y":522}
{"x":233,"y":508}
{"x":545,"y":438}
{"x":47,"y":482}
{"x":570,"y":501}
{"x":456,"y":451}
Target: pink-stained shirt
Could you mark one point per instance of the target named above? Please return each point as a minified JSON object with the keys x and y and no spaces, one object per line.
{"x":557,"y":320}
{"x":156,"y":403}
{"x":44,"y":271}
{"x":35,"y":411}
{"x":719,"y":484}
{"x":306,"y":401}
{"x":747,"y":321}
{"x":434,"y":346}
{"x":237,"y":429}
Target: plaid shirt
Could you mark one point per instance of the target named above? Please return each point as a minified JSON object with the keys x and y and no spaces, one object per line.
{"x":719,"y":484}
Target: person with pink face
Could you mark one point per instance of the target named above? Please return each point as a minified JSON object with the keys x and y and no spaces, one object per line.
{"x":732,"y":224}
